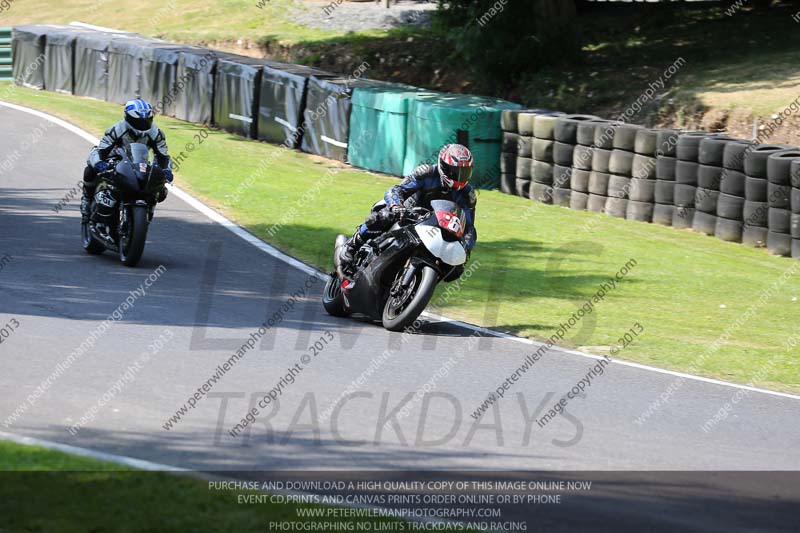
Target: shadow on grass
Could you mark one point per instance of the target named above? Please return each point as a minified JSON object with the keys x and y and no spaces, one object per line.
{"x":158,"y":501}
{"x":509,"y":270}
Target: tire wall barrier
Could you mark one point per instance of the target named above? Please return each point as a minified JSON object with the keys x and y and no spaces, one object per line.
{"x":236,"y":92}
{"x":124,"y":67}
{"x":737,"y":190}
{"x":326,"y":117}
{"x":297,"y":106}
{"x":194,"y":90}
{"x":281,"y":102}
{"x":710,"y":183}
{"x":378,"y":127}
{"x":159,"y":82}
{"x":90,"y":68}
{"x":436,"y":119}
{"x":27,"y":46}
{"x":59,"y":60}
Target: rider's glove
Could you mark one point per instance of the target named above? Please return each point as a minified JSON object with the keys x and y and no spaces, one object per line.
{"x":398,"y":211}
{"x":168,"y":175}
{"x":101,"y":167}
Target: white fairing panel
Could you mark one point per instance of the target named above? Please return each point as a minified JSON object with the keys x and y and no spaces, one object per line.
{"x":452,"y":253}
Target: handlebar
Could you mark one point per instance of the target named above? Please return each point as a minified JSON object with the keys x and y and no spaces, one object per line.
{"x":414,"y":212}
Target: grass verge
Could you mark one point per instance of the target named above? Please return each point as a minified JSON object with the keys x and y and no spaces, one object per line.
{"x":539,"y":264}
{"x":181,"y":20}
{"x":46,"y":490}
{"x":739,"y":64}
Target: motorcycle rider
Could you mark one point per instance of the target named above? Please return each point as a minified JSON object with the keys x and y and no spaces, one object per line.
{"x":136,"y":127}
{"x":448,"y":180}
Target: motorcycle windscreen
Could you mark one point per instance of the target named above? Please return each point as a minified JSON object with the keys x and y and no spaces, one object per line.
{"x":140,"y":153}
{"x":128,"y":177}
{"x":450,"y":217}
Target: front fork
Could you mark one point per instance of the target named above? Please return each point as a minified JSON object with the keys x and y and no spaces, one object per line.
{"x":402,"y":284}
{"x":123,"y":220}
{"x":125,"y":209}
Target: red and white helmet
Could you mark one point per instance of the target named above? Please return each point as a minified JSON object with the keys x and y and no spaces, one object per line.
{"x":455,"y":166}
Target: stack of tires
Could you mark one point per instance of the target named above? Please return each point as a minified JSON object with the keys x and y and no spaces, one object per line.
{"x":642,"y":192}
{"x":687,"y":151}
{"x":620,"y":167}
{"x":582,"y":157}
{"x":709,"y":177}
{"x":730,"y":205}
{"x":515,"y":157}
{"x":601,"y":162}
{"x":566,"y":153}
{"x":756,"y":207}
{"x":779,"y":191}
{"x":666,"y":145}
{"x":794,"y":204}
{"x":509,"y":150}
{"x":543,"y":147}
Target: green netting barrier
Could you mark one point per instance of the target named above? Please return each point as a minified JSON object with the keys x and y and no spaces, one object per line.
{"x":378,"y":120}
{"x":474,"y":121}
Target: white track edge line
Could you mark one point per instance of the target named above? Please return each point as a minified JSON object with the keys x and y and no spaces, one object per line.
{"x":139,"y":464}
{"x":150,"y":466}
{"x":311,"y":271}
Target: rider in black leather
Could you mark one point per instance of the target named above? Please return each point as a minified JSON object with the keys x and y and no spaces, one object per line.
{"x":136,"y":127}
{"x":446,"y":181}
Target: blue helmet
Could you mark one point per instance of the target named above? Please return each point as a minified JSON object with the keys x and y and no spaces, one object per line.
{"x":139,"y":115}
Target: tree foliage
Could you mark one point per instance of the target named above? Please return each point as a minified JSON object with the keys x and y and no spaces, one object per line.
{"x":501,"y":38}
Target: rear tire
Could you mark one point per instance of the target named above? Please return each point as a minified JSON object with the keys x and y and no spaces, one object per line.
{"x":132,"y":247}
{"x":424,"y":284}
{"x":332,"y":299}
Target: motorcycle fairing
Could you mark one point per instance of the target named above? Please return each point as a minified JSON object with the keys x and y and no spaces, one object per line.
{"x":452,"y":253}
{"x":361,"y":290}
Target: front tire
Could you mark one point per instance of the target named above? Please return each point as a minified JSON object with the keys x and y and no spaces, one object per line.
{"x":401,"y":311}
{"x":90,"y":244}
{"x":131,"y":246}
{"x":332,"y":299}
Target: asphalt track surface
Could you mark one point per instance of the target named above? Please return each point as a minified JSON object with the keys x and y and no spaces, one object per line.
{"x":216,"y":289}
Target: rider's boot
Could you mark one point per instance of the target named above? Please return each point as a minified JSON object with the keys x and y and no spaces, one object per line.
{"x":349,"y":249}
{"x":86,"y":203}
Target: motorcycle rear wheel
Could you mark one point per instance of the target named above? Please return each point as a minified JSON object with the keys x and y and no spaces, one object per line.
{"x":401,"y":311}
{"x":332,"y":299}
{"x":131,"y":246}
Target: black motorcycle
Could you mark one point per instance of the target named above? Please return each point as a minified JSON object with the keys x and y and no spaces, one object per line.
{"x":392,"y":277}
{"x":136,"y":184}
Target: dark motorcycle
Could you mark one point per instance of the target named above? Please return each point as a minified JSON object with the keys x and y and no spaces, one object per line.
{"x":392,"y":277}
{"x":136,"y":184}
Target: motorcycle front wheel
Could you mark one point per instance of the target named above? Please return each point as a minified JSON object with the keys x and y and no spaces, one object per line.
{"x":403,"y":309}
{"x":131,"y":242}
